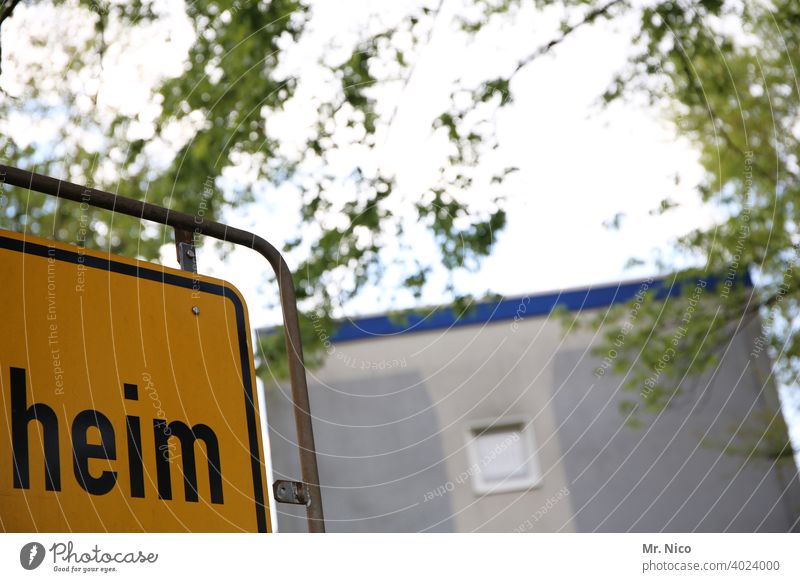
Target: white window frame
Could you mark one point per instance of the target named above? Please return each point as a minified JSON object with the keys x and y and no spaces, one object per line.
{"x":524,"y":426}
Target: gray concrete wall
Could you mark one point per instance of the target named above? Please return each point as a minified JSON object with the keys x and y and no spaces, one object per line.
{"x":378,"y":450}
{"x":392,"y":416}
{"x":673,"y":474}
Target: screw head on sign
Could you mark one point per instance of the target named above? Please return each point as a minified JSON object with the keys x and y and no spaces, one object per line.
{"x":196,"y":310}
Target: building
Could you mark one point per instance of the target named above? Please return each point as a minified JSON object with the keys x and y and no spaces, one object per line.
{"x":498,"y":421}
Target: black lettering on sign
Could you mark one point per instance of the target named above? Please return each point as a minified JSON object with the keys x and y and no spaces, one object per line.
{"x":187,"y":437}
{"x":21,"y":416}
{"x":134,"y":433}
{"x":82,"y":451}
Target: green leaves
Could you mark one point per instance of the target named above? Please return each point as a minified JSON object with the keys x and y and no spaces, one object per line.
{"x":499,"y":87}
{"x":214,"y":115}
{"x":729,"y":93}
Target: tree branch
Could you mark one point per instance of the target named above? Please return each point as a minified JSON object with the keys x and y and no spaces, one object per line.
{"x":436,"y":12}
{"x":8,"y":8}
{"x":591,"y":16}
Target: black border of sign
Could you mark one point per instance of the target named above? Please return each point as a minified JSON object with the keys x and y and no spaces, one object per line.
{"x":84,"y":258}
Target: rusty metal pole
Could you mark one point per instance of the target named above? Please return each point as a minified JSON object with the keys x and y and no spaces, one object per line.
{"x":223,"y":232}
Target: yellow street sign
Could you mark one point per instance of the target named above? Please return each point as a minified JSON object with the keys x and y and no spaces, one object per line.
{"x":128,"y":396}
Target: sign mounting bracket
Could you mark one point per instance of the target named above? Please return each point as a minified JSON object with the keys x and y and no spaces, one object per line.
{"x":187,"y":253}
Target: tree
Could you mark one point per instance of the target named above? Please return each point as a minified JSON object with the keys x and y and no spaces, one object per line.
{"x":212,"y":116}
{"x":720,"y":70}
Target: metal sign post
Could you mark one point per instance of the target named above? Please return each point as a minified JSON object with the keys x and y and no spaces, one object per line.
{"x":307,"y":492}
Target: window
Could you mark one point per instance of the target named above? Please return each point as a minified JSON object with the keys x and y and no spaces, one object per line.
{"x":502,"y":456}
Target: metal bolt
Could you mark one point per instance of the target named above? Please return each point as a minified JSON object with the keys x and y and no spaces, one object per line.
{"x":196,"y":310}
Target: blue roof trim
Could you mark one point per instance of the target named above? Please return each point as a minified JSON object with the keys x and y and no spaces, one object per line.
{"x":514,"y":307}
